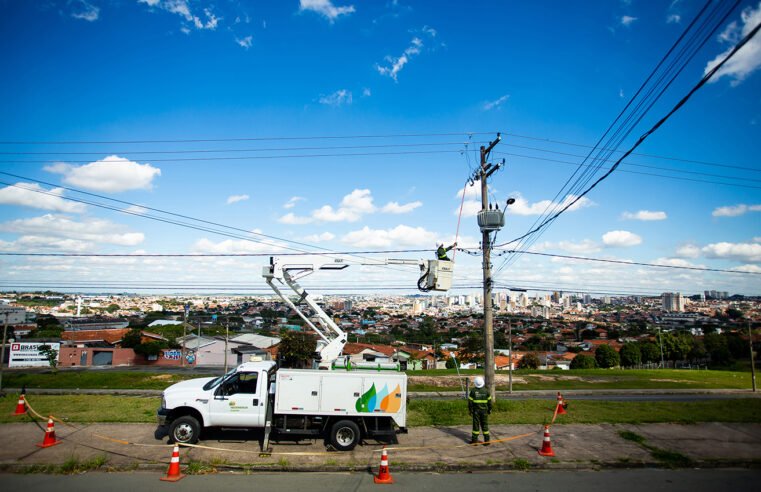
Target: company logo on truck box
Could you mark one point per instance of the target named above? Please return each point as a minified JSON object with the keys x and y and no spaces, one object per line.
{"x":380,"y":401}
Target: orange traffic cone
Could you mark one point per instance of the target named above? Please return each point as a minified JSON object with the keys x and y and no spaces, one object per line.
{"x":561,"y":405}
{"x":173,"y":473}
{"x":21,"y":406}
{"x":384,"y":476}
{"x":546,"y":444}
{"x":50,"y":439}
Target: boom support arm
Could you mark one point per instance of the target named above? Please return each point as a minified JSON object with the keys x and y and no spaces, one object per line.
{"x":332,"y":337}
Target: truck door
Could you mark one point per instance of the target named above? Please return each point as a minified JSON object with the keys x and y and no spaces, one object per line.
{"x":239,"y":401}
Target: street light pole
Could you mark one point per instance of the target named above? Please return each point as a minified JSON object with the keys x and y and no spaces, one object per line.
{"x":660,"y":337}
{"x":510,"y":357}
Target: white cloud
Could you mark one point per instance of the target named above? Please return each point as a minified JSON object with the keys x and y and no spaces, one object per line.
{"x":734,"y":251}
{"x":748,"y":58}
{"x":85,"y":11}
{"x":236,"y":198}
{"x":92,"y":230}
{"x":327,"y":213}
{"x":673,"y":19}
{"x":688,"y":251}
{"x":400,"y":235}
{"x":136,"y":209}
{"x":338,"y":98}
{"x":621,"y":93}
{"x":366,"y":92}
{"x":644,"y":215}
{"x":231,"y":246}
{"x":246,"y":42}
{"x":291,"y":218}
{"x":397,"y":63}
{"x":735,"y":210}
{"x":583,"y":247}
{"x":182,"y":8}
{"x":489,"y":105}
{"x":627,"y":20}
{"x":36,"y":243}
{"x":29,"y":195}
{"x":748,"y":268}
{"x":395,"y":208}
{"x":360,"y":201}
{"x":676,"y":262}
{"x":470,"y":208}
{"x":472,"y":191}
{"x":293,"y":201}
{"x":523,"y":207}
{"x":620,"y":239}
{"x":326,"y":8}
{"x":319,"y":238}
{"x":111,"y":174}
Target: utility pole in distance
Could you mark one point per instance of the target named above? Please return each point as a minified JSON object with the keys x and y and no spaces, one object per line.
{"x":484,"y":172}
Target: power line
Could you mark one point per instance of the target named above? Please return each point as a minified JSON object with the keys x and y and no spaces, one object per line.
{"x":652,"y":130}
{"x":243,"y":139}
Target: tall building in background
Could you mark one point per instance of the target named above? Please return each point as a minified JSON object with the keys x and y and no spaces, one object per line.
{"x":672,"y":302}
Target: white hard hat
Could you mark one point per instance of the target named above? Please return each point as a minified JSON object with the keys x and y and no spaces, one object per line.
{"x":478,"y":381}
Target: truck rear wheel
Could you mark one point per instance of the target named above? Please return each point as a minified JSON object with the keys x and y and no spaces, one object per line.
{"x":344,"y":435}
{"x":185,"y":430}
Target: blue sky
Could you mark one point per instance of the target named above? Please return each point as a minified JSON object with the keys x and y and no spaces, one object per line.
{"x":352,"y":126}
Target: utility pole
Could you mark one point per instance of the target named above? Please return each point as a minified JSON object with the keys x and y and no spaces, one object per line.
{"x":5,"y":336}
{"x":510,"y":358}
{"x":752,"y":361}
{"x":184,"y":332}
{"x":484,"y":172}
{"x":227,"y":335}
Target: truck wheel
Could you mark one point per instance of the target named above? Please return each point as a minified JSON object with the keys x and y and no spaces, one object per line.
{"x":344,"y":435}
{"x":185,"y":430}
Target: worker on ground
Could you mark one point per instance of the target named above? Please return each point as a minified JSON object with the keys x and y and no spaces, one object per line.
{"x":441,"y":252}
{"x":479,"y":407}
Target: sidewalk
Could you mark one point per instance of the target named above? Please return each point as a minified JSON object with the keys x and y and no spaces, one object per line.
{"x":424,"y":448}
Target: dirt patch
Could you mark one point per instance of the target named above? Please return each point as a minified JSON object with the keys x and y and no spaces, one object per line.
{"x":457,"y":381}
{"x":162,"y":377}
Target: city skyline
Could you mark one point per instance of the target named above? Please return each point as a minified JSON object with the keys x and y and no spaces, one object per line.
{"x":325,"y":126}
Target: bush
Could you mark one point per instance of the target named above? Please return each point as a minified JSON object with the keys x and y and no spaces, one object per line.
{"x":529,"y":361}
{"x":630,"y":355}
{"x":606,"y":356}
{"x":583,"y":362}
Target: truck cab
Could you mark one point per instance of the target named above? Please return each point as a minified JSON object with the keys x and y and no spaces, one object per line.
{"x":236,"y":399}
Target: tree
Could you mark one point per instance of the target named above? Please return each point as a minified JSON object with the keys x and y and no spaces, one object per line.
{"x":606,"y":356}
{"x":472,"y":349}
{"x":131,"y":339}
{"x":296,"y":349}
{"x":630,"y":355}
{"x":676,"y":346}
{"x":112,"y":308}
{"x":50,"y":354}
{"x":650,"y":352}
{"x":529,"y":361}
{"x":583,"y":362}
{"x":149,"y":349}
{"x":717,"y":349}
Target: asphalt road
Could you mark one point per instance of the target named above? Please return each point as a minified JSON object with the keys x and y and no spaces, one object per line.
{"x":654,"y":480}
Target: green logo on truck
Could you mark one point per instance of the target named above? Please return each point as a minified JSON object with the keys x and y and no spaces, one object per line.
{"x":380,"y":401}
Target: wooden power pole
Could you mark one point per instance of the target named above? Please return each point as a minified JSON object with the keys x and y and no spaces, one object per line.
{"x":485,"y":171}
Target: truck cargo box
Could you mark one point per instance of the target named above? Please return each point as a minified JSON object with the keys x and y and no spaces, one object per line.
{"x":350,"y":393}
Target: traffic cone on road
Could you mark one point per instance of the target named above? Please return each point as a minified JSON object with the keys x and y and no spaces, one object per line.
{"x":561,"y":405}
{"x":50,"y":439}
{"x":384,"y":476}
{"x":546,"y":444}
{"x":173,"y":473}
{"x":21,"y":406}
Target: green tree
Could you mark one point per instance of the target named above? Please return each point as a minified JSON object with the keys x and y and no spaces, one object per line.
{"x":472,"y":349}
{"x":529,"y":361}
{"x":676,"y":346}
{"x":112,"y":308}
{"x":296,"y":349}
{"x":152,"y":348}
{"x":650,"y":352}
{"x":583,"y":362}
{"x":717,"y":349}
{"x":630,"y":355}
{"x":132,"y":339}
{"x":606,"y":356}
{"x":50,"y":354}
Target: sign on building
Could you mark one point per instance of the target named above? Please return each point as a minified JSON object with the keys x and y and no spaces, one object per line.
{"x":28,"y":354}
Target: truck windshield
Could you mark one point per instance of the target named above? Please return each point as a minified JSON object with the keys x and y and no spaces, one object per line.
{"x":214,"y":382}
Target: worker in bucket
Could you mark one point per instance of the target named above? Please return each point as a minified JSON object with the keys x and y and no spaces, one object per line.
{"x":441,"y":252}
{"x":479,"y":407}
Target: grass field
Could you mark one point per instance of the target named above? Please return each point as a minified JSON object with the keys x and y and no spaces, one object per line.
{"x":106,"y":408}
{"x":437,"y":380}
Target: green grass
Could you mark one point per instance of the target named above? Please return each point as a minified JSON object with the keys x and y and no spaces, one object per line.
{"x":95,"y":379}
{"x":128,"y":409}
{"x":435,"y":412}
{"x":604,"y":379}
{"x":523,"y":379}
{"x":670,"y":459}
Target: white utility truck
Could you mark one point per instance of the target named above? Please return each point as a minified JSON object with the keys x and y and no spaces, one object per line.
{"x":342,"y":403}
